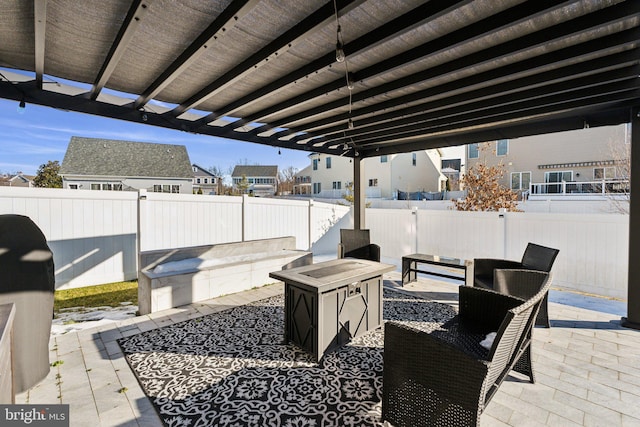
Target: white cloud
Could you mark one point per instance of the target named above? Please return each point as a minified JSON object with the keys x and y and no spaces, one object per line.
{"x":14,"y":167}
{"x":26,"y":148}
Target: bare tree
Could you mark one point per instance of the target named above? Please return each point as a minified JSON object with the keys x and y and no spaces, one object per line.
{"x":484,"y":191}
{"x":286,"y":180}
{"x":621,"y":194}
{"x":216,"y":170}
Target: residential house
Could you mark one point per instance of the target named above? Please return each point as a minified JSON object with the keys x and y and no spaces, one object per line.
{"x":302,"y":181}
{"x":105,"y":164}
{"x":17,"y":180}
{"x":573,"y":162}
{"x":261,"y":180}
{"x":205,"y":182}
{"x":452,"y":169}
{"x":384,"y":176}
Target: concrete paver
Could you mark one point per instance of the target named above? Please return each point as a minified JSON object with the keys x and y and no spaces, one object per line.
{"x":587,"y":368}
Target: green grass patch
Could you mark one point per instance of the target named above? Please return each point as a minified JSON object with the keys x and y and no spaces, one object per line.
{"x":109,"y":295}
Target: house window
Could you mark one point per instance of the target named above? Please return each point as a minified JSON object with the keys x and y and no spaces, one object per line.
{"x":604,"y":173}
{"x":107,"y":187}
{"x":197,"y":180}
{"x":316,"y":187}
{"x":474,"y":151}
{"x":414,"y":159}
{"x":328,"y":162}
{"x":502,"y":147}
{"x":337,"y":185}
{"x":166,"y":188}
{"x":558,"y":176}
{"x":95,"y":186}
{"x":206,"y":180}
{"x":373,"y":182}
{"x":315,"y":164}
{"x":383,"y":159}
{"x":175,"y":189}
{"x":117,"y":187}
{"x":195,"y":169}
{"x":73,"y":186}
{"x":520,"y":180}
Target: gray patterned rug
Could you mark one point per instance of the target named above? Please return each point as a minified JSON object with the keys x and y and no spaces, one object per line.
{"x":233,"y":368}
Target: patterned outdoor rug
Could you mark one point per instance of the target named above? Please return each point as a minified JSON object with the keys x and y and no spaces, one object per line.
{"x":233,"y":368}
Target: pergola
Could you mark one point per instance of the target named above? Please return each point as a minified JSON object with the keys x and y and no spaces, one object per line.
{"x":355,"y":78}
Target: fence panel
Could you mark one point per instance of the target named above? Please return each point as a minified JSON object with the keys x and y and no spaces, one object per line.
{"x":322,"y":217}
{"x":393,"y":229}
{"x":180,"y":220}
{"x":593,"y":248}
{"x":92,"y":234}
{"x":266,"y":218}
{"x":460,"y":234}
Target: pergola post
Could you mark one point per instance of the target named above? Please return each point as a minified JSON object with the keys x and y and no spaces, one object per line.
{"x":633,"y":287}
{"x":359,"y":195}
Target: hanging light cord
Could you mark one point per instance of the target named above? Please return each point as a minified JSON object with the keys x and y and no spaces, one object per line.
{"x":341,"y":57}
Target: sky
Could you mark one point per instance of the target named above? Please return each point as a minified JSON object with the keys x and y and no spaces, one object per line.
{"x":38,"y":134}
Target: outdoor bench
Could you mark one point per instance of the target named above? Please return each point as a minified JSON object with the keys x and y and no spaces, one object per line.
{"x":173,"y":277}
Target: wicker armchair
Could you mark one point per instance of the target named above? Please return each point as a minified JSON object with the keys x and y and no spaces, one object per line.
{"x":536,"y":257}
{"x":357,"y":244}
{"x":524,"y":284}
{"x":439,"y":374}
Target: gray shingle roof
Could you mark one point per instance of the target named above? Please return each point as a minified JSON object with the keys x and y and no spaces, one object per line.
{"x":107,"y":157}
{"x":255,"y":170}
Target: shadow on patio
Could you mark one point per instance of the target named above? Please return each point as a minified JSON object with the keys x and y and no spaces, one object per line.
{"x":586,"y":368}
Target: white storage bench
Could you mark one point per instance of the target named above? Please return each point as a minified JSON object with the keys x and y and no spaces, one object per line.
{"x":173,"y":277}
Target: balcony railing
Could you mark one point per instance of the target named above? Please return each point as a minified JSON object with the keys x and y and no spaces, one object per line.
{"x":602,"y":187}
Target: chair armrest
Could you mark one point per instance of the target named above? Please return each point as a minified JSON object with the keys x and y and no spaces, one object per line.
{"x":340,"y":250}
{"x":483,"y":310}
{"x":374,"y":251}
{"x":484,"y":266}
{"x":519,"y":282}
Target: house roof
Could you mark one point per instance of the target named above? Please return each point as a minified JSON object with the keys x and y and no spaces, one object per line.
{"x":22,"y":177}
{"x":418,"y":74}
{"x":6,"y":180}
{"x":107,"y":157}
{"x":202,"y":171}
{"x":306,"y":171}
{"x":255,"y":170}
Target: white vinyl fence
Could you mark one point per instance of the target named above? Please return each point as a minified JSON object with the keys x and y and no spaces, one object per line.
{"x":94,"y":234}
{"x":593,"y":248}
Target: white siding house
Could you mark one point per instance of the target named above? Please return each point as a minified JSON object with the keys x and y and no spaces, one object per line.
{"x":112,"y":165}
{"x":261,"y":180}
{"x":204,"y":182}
{"x":561,"y":165}
{"x":384,"y":175}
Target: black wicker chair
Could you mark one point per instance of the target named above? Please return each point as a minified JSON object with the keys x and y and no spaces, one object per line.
{"x":524,"y":284}
{"x":536,"y":257}
{"x":357,"y":244}
{"x":439,"y":375}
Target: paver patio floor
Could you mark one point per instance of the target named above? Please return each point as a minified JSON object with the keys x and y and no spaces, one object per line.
{"x":587,"y":368}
